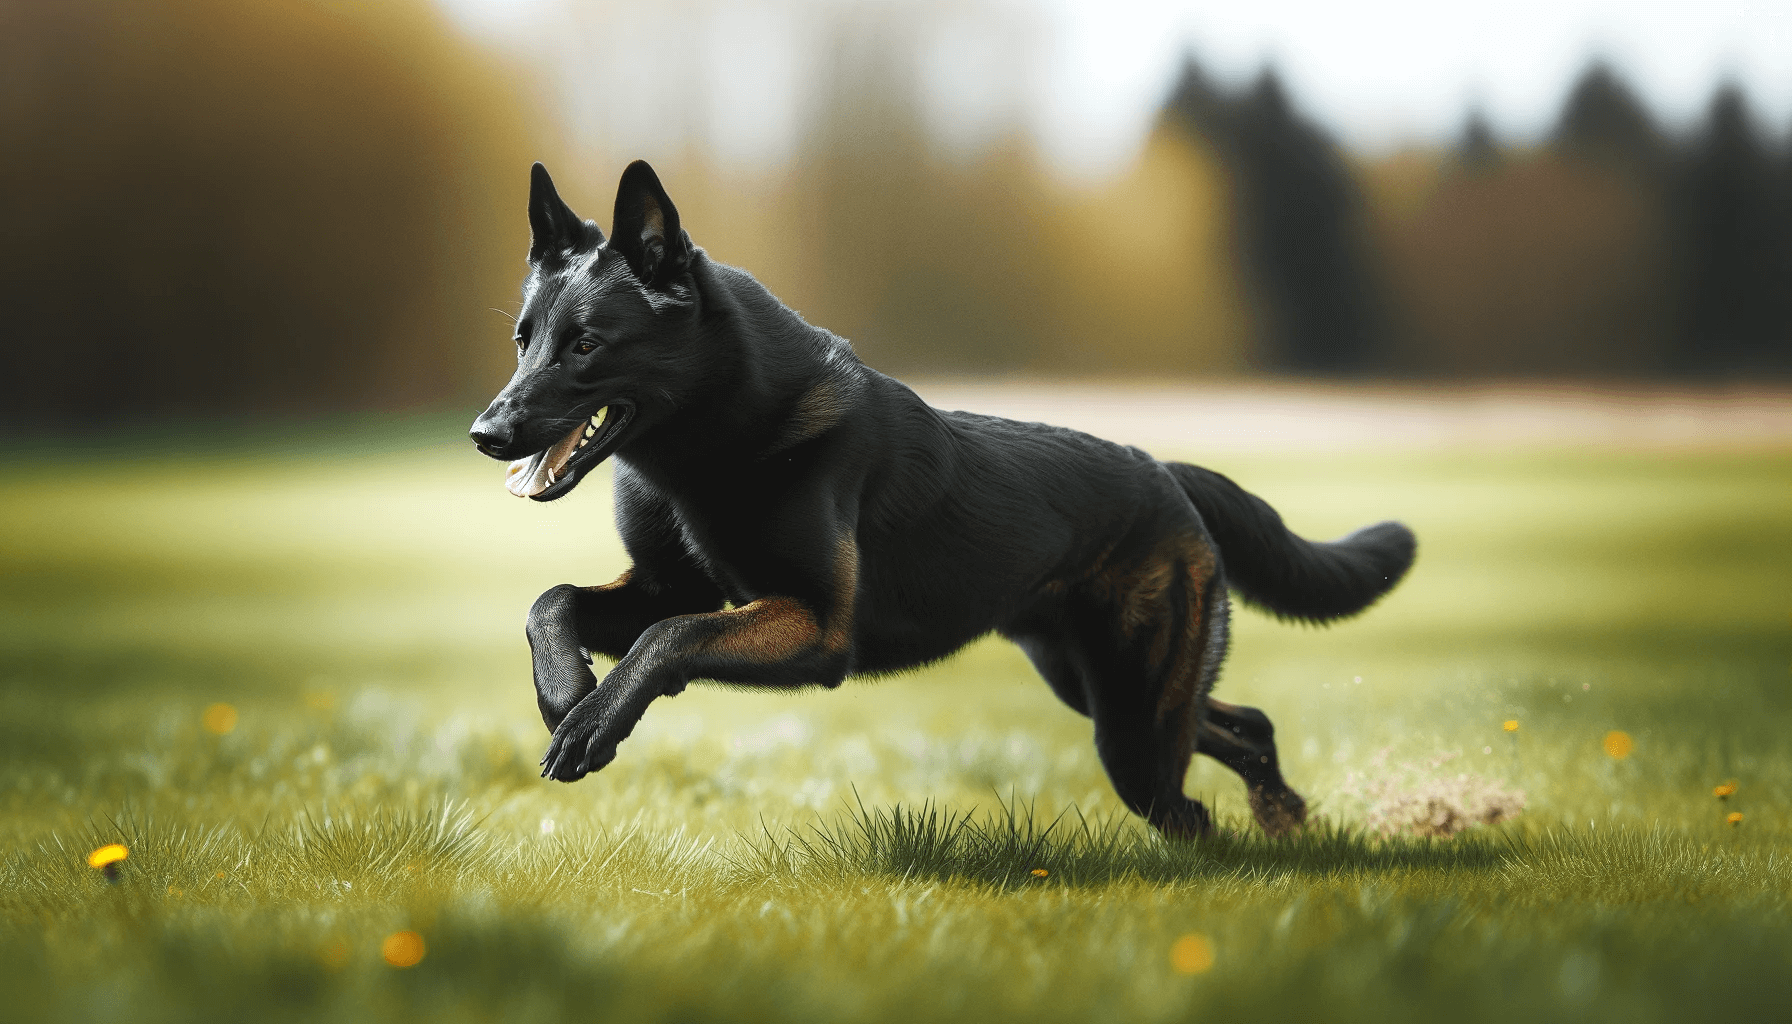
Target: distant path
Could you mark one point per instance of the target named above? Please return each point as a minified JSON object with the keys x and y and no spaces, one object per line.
{"x":1283,"y":416}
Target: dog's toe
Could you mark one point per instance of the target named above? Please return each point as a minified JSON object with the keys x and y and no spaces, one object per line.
{"x":557,"y":762}
{"x":564,"y":770}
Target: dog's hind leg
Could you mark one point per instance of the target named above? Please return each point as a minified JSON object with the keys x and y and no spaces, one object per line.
{"x":1143,"y":760}
{"x":1162,"y":636}
{"x":1242,"y":739}
{"x":1145,"y":766}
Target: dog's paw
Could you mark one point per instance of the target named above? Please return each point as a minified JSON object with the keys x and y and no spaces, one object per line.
{"x":1280,"y":812}
{"x":580,"y":746}
{"x":1181,"y":820}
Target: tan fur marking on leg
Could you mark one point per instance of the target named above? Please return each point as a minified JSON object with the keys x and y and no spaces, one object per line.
{"x":1143,"y":602}
{"x":1142,"y":596}
{"x":1137,"y":594}
{"x":778,"y":628}
{"x":1181,"y":702}
{"x":846,"y":595}
{"x":767,"y":630}
{"x":618,"y":583}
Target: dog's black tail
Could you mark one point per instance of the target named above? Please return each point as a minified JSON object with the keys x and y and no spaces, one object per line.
{"x":1294,"y":578}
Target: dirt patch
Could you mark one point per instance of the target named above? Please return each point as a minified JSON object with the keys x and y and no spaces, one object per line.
{"x":1425,"y":799}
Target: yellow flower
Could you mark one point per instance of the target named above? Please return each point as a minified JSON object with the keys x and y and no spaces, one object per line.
{"x":1618,"y":744}
{"x":218,"y":719}
{"x":1511,"y":725}
{"x":107,"y":855}
{"x":402,"y":949}
{"x":1725,"y":791}
{"x":1735,"y":818}
{"x":1192,"y":954}
{"x":1040,"y":872}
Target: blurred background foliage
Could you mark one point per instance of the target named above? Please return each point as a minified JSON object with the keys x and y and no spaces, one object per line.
{"x":297,"y":206}
{"x":218,"y":207}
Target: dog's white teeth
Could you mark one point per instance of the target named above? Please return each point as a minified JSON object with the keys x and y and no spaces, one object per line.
{"x":550,"y":476}
{"x":597,"y":418}
{"x":590,"y":431}
{"x":583,"y":441}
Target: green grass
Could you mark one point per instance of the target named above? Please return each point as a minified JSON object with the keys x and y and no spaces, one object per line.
{"x":870,"y":853}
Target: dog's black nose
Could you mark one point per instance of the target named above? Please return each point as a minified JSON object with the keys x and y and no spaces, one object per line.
{"x":490,"y":438}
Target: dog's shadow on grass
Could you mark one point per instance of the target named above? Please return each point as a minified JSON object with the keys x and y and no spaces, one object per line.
{"x":1014,"y":847}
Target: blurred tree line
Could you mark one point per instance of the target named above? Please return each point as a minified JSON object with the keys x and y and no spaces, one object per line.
{"x":1614,"y":248}
{"x":938,"y":263}
{"x":215,"y":208}
{"x":220,"y":208}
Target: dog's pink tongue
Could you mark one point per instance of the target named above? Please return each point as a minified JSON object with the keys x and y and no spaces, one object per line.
{"x":528,"y":477}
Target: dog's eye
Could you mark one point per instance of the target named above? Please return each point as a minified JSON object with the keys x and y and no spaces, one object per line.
{"x":585,"y":346}
{"x":522,"y":336}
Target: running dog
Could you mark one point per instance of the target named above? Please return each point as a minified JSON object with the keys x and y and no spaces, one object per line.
{"x":795,"y":517}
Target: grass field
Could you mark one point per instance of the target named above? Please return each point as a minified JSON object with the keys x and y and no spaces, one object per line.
{"x":938,"y":845}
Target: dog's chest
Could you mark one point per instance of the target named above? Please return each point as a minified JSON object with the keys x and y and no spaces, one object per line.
{"x":730,"y":542}
{"x":744,"y":526}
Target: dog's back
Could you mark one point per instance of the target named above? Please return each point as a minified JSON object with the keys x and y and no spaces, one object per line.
{"x":1020,"y":505}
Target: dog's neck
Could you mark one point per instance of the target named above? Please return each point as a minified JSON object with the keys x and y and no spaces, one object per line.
{"x":769,"y":377}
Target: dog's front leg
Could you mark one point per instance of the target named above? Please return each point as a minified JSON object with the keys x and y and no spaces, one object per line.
{"x":568,"y":624}
{"x":561,"y":661}
{"x":769,"y":642}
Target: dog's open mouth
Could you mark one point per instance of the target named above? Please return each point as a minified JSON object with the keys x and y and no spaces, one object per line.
{"x":547,"y":475}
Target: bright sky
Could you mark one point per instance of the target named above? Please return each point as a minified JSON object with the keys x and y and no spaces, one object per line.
{"x":1087,"y":75}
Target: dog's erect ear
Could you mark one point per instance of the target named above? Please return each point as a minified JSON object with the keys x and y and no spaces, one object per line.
{"x":645,"y":230}
{"x":553,"y":227}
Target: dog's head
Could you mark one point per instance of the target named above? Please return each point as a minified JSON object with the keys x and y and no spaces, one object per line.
{"x":606,"y":340}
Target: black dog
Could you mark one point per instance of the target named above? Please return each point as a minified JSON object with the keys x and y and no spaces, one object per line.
{"x":796,"y":517}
